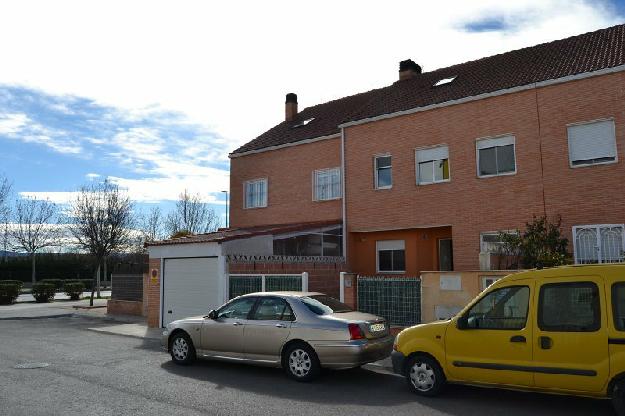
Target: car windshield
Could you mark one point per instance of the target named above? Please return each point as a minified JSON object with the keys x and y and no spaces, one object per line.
{"x":324,"y":305}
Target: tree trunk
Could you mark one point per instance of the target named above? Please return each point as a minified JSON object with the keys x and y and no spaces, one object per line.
{"x":96,"y":276}
{"x":33,"y":271}
{"x":99,"y":281}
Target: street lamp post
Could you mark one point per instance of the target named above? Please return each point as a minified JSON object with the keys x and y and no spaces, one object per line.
{"x":226,"y":192}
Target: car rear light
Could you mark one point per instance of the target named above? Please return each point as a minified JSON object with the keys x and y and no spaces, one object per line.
{"x":355,"y":332}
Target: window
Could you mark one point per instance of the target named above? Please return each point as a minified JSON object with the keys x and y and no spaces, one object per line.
{"x":569,"y":307}
{"x":383,"y":172}
{"x":618,"y":305}
{"x":256,"y":193}
{"x":327,"y":184}
{"x":328,"y":242}
{"x":495,"y":156}
{"x":491,"y":241}
{"x":324,"y":305}
{"x":489,"y":280}
{"x":592,"y":143}
{"x":432,"y":165}
{"x":273,"y":309}
{"x":237,"y":309}
{"x":391,"y":256}
{"x":599,"y":243}
{"x":504,"y":308}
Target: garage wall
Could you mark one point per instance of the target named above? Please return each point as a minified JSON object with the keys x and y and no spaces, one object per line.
{"x":152,"y":293}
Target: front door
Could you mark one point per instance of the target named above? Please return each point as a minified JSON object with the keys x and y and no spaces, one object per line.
{"x":445,"y":255}
{"x":570,"y":336}
{"x":494,"y":342}
{"x":224,"y":334}
{"x":268,"y":329}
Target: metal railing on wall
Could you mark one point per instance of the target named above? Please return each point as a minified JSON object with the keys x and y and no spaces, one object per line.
{"x":397,"y":299}
{"x":242,"y":284}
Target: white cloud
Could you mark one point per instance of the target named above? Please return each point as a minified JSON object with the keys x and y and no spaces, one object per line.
{"x":11,"y":124}
{"x":92,"y":176}
{"x":55,"y":197}
{"x":228,"y":69}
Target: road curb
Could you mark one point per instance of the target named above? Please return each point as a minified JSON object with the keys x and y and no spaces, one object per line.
{"x":23,"y":318}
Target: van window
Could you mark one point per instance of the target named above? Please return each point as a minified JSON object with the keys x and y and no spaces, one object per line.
{"x":618,"y":305}
{"x":504,"y":308}
{"x":569,"y":307}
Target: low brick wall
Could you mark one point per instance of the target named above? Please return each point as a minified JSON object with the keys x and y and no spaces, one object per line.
{"x":323,"y":272}
{"x":124,"y":307}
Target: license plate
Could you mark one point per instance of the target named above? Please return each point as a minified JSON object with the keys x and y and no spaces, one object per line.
{"x":377,"y":327}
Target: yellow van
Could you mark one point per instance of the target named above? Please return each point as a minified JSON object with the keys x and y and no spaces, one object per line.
{"x":558,"y":330}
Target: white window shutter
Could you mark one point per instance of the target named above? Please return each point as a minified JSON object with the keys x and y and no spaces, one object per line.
{"x":391,"y":245}
{"x":594,"y":140}
{"x":434,"y":153}
{"x":494,"y":142}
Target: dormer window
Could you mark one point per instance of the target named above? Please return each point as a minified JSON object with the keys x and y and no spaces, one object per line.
{"x":303,"y":123}
{"x":445,"y":81}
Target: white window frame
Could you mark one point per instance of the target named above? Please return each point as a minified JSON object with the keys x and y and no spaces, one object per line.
{"x":434,"y":181}
{"x":265,"y":200}
{"x":487,"y":278}
{"x":598,"y":227}
{"x":500,"y":137}
{"x":483,"y":233}
{"x":314,"y":184}
{"x":582,"y":123}
{"x":389,"y":245}
{"x":375,"y":170}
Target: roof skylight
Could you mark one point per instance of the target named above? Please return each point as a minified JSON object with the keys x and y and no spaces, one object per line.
{"x":304,"y":122}
{"x":445,"y":81}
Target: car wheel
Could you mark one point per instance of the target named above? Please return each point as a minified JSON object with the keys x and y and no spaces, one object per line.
{"x":181,"y":348}
{"x":301,"y":362}
{"x":424,"y":375}
{"x":618,"y":398}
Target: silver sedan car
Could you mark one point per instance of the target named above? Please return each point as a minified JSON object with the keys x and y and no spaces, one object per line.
{"x":298,"y":331}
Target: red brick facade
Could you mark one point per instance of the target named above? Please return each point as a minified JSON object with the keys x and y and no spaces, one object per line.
{"x":152,"y":293}
{"x":289,"y":172}
{"x":544,"y":182}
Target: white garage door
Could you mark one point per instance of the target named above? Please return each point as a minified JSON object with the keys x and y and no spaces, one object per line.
{"x":190,"y":287}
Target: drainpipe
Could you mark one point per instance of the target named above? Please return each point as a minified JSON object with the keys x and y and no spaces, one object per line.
{"x":343,"y":180}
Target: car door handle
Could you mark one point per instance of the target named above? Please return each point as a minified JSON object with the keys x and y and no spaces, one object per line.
{"x":168,"y":311}
{"x":518,"y":338}
{"x":280,"y":326}
{"x":237,"y":323}
{"x":545,"y":343}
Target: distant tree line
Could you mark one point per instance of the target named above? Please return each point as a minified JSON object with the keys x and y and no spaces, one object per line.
{"x":98,"y":227}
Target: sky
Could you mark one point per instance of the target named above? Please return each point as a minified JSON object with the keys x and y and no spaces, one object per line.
{"x":153,"y":95}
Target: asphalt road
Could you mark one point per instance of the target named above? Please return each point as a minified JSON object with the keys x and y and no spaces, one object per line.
{"x":99,"y":374}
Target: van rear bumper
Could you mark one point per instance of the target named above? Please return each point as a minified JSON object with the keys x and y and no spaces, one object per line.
{"x":399,"y":361}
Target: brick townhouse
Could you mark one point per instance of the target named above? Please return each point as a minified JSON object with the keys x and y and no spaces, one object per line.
{"x":420,"y":175}
{"x":423,"y":174}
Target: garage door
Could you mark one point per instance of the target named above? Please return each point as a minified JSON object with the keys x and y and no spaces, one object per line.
{"x":190,"y":287}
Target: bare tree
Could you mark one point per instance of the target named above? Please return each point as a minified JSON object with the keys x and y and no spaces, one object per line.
{"x":102,"y":223}
{"x":191,"y":215}
{"x":5,"y":213}
{"x":34,"y":228}
{"x":152,"y":225}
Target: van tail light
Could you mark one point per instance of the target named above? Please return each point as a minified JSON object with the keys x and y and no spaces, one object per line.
{"x":355,"y":332}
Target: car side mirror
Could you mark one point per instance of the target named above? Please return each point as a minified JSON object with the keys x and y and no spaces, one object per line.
{"x":212,"y":314}
{"x":473,"y":322}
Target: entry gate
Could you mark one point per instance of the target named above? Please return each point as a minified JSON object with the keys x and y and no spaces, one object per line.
{"x":242,"y":284}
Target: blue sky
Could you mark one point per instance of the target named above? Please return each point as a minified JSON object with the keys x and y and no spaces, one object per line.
{"x":153,"y":95}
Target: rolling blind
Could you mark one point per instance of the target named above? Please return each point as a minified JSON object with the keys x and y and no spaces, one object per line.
{"x":590,"y":141}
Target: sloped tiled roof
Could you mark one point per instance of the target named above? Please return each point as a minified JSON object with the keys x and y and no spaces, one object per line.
{"x":227,"y":234}
{"x":589,"y":52}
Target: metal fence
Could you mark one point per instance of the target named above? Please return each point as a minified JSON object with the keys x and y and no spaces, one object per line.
{"x":241,"y":284}
{"x":127,"y":287}
{"x":397,"y":299}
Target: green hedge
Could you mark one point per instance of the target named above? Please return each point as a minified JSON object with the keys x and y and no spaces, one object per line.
{"x":74,"y":290}
{"x":43,"y":292}
{"x":58,"y":283}
{"x":88,"y":283}
{"x":12,"y":282}
{"x":9,"y":292}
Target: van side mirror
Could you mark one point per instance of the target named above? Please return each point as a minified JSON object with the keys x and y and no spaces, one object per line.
{"x":212,"y":314}
{"x":462,"y":323}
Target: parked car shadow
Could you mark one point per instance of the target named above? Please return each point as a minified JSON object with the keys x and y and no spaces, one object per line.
{"x":369,"y":388}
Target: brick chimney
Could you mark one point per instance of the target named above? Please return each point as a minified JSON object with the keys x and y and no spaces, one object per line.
{"x":408,"y":69}
{"x":290,"y":107}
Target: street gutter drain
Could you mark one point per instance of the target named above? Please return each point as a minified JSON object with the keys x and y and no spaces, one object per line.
{"x":28,"y":366}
